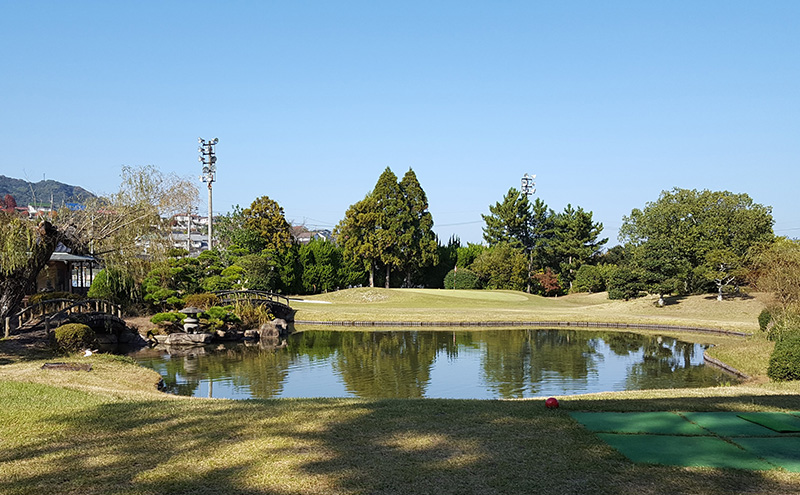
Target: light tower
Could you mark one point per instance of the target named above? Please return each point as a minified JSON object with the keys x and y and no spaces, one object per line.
{"x":209,"y":162}
{"x":528,"y":188}
{"x":528,"y":184}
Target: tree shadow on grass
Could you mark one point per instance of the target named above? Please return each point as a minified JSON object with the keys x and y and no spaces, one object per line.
{"x":673,"y":300}
{"x":344,"y":446}
{"x":734,"y":296}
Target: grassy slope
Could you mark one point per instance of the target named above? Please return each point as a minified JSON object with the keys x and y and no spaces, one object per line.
{"x":368,"y":304}
{"x":109,"y":431}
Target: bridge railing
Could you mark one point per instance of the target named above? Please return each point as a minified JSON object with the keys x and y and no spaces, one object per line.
{"x":50,"y":308}
{"x":251,"y":295}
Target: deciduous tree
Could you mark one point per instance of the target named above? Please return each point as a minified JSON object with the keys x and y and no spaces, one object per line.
{"x":695,"y":223}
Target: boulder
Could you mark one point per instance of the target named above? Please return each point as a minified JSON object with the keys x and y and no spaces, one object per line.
{"x":188,"y":339}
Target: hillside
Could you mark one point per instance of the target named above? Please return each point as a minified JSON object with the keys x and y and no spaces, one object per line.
{"x":25,"y":192}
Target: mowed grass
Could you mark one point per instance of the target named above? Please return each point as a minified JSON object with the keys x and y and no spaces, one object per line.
{"x":110,"y":431}
{"x":427,"y":305}
{"x":91,"y":439}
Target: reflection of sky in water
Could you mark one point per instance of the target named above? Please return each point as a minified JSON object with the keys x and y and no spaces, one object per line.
{"x":463,"y":374}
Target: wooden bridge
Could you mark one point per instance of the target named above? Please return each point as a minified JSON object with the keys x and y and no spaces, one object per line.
{"x":278,"y":304}
{"x":99,"y":314}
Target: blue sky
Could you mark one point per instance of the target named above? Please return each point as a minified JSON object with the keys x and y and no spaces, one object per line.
{"x":608,"y":103}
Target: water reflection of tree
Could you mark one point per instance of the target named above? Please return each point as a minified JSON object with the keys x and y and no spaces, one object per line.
{"x":387,"y":364}
{"x":262,"y":371}
{"x":667,"y":361}
{"x":170,"y":368}
{"x":624,"y":343}
{"x":516,"y":362}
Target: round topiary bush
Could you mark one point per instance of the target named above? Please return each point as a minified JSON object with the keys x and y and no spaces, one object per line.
{"x":74,"y":337}
{"x":464,"y":278}
{"x":784,"y":363}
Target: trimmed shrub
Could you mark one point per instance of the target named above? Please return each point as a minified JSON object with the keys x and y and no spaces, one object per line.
{"x":74,"y":337}
{"x":218,"y":316}
{"x":763,"y":319}
{"x":171,"y":322}
{"x":202,"y":301}
{"x":167,"y":318}
{"x":463,"y":279}
{"x":784,"y":363}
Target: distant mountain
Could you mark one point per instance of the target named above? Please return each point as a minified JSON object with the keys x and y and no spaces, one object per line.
{"x":45,"y":191}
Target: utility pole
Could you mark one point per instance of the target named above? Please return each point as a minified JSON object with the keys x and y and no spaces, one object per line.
{"x":528,"y":188}
{"x":209,"y":160}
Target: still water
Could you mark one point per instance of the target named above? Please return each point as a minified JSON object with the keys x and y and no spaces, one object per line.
{"x":488,"y":364}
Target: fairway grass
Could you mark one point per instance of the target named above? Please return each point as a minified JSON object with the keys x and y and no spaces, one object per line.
{"x":109,"y":431}
{"x":455,"y":306}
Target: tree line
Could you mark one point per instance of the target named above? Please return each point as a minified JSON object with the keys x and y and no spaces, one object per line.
{"x":685,"y":242}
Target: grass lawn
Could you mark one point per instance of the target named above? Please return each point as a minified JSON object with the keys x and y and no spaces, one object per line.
{"x":109,"y":431}
{"x":426,"y":305}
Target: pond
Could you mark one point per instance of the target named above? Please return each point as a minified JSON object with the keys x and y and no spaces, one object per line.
{"x":488,"y":364}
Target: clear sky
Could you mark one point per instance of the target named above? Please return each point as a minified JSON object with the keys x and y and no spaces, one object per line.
{"x":608,"y":103}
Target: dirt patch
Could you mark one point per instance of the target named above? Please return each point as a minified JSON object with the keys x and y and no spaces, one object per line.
{"x":25,"y":344}
{"x":140,"y":323}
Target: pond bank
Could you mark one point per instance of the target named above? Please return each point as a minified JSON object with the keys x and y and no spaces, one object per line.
{"x":536,"y":324}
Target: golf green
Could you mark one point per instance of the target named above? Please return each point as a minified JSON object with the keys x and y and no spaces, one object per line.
{"x":664,"y":423}
{"x":780,"y":422}
{"x":728,"y":424}
{"x":684,"y":451}
{"x":708,"y":439}
{"x":783,"y":452}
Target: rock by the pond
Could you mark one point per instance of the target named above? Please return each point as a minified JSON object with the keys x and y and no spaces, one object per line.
{"x":227,"y":335}
{"x":187,"y":339}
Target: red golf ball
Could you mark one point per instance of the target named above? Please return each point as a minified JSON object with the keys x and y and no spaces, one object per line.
{"x":551,"y":403}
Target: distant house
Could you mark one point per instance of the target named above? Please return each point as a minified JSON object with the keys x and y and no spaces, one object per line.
{"x":302,"y":235}
{"x":67,"y":272}
{"x":190,"y":232}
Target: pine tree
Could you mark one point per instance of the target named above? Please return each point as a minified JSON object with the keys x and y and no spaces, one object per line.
{"x":509,"y":221}
{"x":576,"y":240}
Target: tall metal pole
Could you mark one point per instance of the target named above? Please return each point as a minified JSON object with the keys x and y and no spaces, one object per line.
{"x":209,"y":160}
{"x":210,"y":217}
{"x":528,"y":189}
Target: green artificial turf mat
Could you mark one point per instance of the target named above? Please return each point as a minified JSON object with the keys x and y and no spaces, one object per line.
{"x":781,"y":422}
{"x":728,"y":424}
{"x":783,"y":452}
{"x":665,"y":423}
{"x":683,"y":451}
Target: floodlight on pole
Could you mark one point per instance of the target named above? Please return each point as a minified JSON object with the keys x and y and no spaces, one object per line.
{"x":528,"y":188}
{"x":208,"y":159}
{"x":528,"y":184}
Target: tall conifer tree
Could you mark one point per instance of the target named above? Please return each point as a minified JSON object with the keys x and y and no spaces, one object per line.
{"x":417,"y":242}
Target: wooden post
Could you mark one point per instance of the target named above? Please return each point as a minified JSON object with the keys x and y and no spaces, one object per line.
{"x":8,"y":326}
